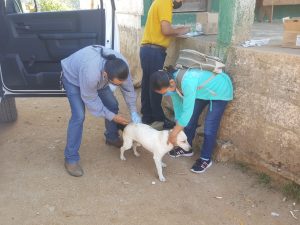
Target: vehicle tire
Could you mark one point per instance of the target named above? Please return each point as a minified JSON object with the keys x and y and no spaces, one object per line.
{"x":8,"y":110}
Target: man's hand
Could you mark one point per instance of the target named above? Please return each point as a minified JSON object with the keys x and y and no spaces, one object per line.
{"x":168,"y":30}
{"x":173,"y":135}
{"x":172,"y":138}
{"x":120,"y":119}
{"x":183,"y":30}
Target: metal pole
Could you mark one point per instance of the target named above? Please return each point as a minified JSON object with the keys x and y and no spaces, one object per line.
{"x":113,"y":11}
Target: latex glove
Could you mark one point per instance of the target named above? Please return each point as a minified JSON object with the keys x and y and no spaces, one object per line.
{"x":135,"y":117}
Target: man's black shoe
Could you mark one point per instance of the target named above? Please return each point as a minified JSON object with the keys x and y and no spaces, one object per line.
{"x":118,"y":143}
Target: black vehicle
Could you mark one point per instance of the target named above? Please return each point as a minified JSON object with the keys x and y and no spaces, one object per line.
{"x":32,"y":45}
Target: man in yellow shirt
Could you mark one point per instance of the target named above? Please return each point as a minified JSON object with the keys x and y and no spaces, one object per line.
{"x":157,"y":37}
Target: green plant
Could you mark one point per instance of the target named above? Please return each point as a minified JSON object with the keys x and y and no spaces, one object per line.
{"x":292,"y":190}
{"x":264,"y":179}
{"x":51,"y":5}
{"x":241,"y":166}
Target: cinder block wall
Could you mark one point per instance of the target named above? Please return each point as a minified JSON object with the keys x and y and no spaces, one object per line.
{"x":129,"y":15}
{"x":130,"y":38}
{"x":263,"y":121}
{"x":262,"y":124}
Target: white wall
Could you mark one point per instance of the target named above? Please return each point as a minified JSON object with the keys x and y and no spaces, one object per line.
{"x":133,"y":7}
{"x":128,"y":11}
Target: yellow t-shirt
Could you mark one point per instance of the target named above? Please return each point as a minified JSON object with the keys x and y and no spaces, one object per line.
{"x":160,"y":10}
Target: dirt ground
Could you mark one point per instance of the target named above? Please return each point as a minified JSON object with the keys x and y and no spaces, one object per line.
{"x":36,"y":190}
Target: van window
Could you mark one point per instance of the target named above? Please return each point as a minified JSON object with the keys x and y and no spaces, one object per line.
{"x":32,"y":6}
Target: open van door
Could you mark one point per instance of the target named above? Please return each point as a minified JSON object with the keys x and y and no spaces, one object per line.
{"x":33,"y":41}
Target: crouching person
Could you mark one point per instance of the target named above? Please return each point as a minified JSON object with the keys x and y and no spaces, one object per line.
{"x":89,"y":75}
{"x":190,"y":95}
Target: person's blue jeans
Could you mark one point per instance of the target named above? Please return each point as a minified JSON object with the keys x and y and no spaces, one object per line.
{"x":152,"y":60}
{"x":75,"y":127}
{"x":211,"y":125}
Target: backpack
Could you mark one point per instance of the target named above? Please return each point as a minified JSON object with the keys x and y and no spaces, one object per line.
{"x":189,"y":59}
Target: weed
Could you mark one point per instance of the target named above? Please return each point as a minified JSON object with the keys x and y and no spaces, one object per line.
{"x":292,"y":190}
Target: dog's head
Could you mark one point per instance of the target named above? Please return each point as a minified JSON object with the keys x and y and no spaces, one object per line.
{"x":182,"y":141}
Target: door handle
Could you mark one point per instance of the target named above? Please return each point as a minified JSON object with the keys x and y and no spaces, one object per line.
{"x":23,"y":26}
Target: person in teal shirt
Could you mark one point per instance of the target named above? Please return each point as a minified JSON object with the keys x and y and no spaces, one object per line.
{"x":199,"y":89}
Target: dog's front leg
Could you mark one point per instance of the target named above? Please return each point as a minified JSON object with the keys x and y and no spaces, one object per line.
{"x":158,"y":165}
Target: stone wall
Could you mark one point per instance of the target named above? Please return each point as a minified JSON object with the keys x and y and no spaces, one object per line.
{"x":129,"y":15}
{"x":261,"y":126}
{"x":263,"y":121}
{"x":130,"y":38}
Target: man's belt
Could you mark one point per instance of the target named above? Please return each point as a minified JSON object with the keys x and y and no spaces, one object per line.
{"x":154,"y":46}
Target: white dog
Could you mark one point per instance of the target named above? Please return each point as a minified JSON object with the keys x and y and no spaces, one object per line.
{"x":153,"y":140}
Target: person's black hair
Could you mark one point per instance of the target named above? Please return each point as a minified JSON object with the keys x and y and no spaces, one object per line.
{"x":115,"y":68}
{"x":161,"y":79}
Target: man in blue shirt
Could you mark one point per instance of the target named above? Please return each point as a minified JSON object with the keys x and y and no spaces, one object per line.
{"x":88,"y":77}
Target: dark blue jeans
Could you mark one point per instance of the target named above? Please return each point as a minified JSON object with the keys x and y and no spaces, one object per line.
{"x":211,"y":125}
{"x":152,"y":60}
{"x":75,"y":128}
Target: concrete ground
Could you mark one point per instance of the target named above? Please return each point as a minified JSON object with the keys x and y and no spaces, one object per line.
{"x":36,"y":190}
{"x":273,"y":31}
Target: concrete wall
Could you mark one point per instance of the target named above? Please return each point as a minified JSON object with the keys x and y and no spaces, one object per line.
{"x":262,"y":125}
{"x":130,"y":46}
{"x":263,"y":121}
{"x":129,"y":15}
{"x":235,"y":21}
